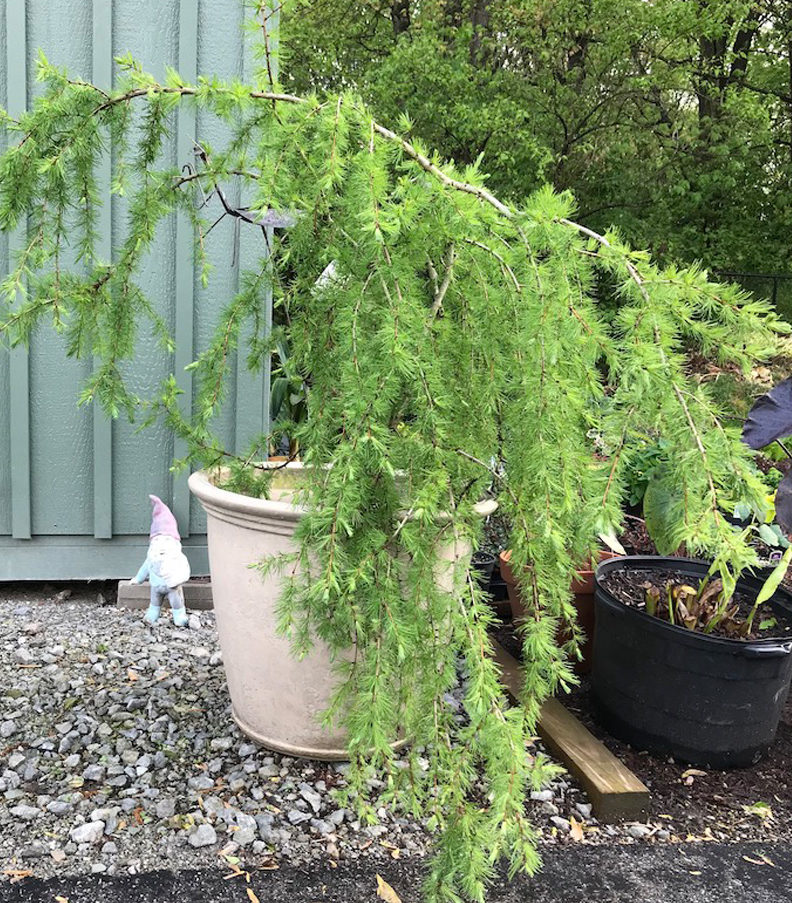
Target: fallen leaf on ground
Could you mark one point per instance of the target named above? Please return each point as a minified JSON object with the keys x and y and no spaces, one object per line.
{"x":386,"y":892}
{"x":17,"y":874}
{"x":691,"y":774}
{"x":762,"y":860}
{"x":251,"y":896}
{"x":132,"y":675}
{"x":761,"y":809}
{"x":575,"y":829}
{"x":61,"y":899}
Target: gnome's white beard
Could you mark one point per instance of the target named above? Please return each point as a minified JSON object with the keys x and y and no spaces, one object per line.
{"x":167,"y":560}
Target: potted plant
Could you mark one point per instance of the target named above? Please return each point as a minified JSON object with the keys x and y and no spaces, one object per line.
{"x":686,"y":667}
{"x":413,"y":409}
{"x":686,"y":661}
{"x":277,"y":698}
{"x":581,"y":632}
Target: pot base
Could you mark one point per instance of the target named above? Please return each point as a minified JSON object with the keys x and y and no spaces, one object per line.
{"x":641,"y":740}
{"x":321,"y":754}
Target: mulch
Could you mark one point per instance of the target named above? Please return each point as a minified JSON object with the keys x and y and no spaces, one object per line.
{"x":699,"y":804}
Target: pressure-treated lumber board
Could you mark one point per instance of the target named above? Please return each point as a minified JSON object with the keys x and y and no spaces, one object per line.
{"x":136,"y":595}
{"x":614,"y":791}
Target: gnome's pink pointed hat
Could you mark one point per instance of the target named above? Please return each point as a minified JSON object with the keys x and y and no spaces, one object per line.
{"x":163,"y":523}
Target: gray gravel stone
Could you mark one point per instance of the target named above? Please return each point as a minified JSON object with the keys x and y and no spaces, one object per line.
{"x":26,"y":813}
{"x":7,"y":729}
{"x":90,"y":832}
{"x":201,"y":782}
{"x":639,"y":831}
{"x":203,"y":836}
{"x":59,"y":807}
{"x":34,"y":850}
{"x":310,"y":795}
{"x":165,"y":808}
{"x":245,"y":836}
{"x":296,"y":817}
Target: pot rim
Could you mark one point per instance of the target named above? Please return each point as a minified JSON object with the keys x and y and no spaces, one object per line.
{"x":781,"y":599}
{"x":204,"y":489}
{"x":206,"y":492}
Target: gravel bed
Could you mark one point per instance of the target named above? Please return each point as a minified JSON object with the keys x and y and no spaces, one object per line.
{"x":118,"y":754}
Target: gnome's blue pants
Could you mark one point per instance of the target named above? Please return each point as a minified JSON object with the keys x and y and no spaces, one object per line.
{"x":175,"y":598}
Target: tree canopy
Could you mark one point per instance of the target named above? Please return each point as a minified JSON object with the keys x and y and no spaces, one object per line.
{"x":669,"y":120}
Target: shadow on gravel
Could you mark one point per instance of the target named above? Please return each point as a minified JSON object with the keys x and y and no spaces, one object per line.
{"x":692,"y":873}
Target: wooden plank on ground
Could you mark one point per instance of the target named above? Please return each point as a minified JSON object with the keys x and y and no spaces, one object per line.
{"x":614,"y":791}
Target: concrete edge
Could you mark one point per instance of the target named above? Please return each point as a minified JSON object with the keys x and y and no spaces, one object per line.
{"x":197,"y":596}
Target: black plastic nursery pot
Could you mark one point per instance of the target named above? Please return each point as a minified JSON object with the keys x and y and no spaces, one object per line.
{"x":482,"y":564}
{"x":703,"y":699}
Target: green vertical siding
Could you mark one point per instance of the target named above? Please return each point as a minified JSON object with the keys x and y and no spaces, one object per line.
{"x":19,"y":358}
{"x":61,"y":448}
{"x":75,"y":483}
{"x":5,"y":437}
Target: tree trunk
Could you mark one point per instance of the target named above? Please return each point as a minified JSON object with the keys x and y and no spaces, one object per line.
{"x":400,"y":16}
{"x":479,"y":18}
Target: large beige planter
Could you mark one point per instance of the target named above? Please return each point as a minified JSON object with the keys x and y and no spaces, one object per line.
{"x":276,"y":699}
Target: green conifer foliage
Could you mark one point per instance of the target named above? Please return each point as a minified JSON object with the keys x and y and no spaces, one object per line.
{"x":457,"y":343}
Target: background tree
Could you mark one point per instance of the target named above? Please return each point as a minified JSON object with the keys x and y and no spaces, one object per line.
{"x":672,"y":121}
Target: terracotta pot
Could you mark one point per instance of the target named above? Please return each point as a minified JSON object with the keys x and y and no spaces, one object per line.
{"x":276,"y":699}
{"x":583,"y":591}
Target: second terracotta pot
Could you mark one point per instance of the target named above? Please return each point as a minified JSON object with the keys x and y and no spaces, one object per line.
{"x":582,"y":589}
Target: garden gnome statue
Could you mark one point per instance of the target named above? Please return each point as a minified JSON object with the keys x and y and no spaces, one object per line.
{"x":166,"y":566}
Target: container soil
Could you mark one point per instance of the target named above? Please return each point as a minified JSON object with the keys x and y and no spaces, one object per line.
{"x":276,"y":699}
{"x":704,"y":699}
{"x":582,"y":589}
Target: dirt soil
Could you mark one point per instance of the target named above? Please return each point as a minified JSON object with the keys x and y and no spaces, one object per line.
{"x":695,"y":804}
{"x":630,"y":587}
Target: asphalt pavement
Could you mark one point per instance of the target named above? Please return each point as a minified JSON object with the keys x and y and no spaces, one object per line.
{"x":690,"y":873}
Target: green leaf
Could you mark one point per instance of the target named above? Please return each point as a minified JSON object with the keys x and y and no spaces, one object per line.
{"x":768,"y":535}
{"x":662,"y":507}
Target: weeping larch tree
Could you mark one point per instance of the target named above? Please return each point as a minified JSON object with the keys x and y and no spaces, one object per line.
{"x":458,"y":345}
